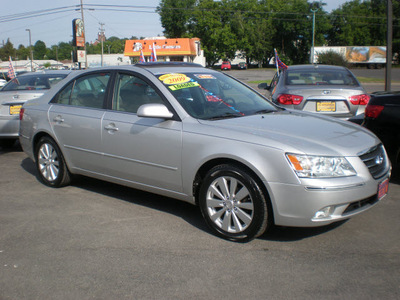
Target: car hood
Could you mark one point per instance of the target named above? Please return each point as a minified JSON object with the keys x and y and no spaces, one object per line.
{"x":297,"y":132}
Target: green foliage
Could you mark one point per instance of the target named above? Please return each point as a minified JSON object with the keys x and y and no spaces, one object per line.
{"x":332,"y":58}
{"x":39,"y":50}
{"x":252,"y":27}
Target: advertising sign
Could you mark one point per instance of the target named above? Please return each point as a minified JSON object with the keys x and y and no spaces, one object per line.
{"x":78,"y":33}
{"x":81,"y":55}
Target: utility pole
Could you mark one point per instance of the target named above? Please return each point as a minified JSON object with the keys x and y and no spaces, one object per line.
{"x":102,"y":38}
{"x":84,"y":34}
{"x":389,"y":55}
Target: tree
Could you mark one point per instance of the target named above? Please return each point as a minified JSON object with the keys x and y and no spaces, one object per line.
{"x":39,"y":50}
{"x":7,"y":50}
{"x":176,"y":17}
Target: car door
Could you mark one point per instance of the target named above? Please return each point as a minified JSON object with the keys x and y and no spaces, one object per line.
{"x":76,"y":116}
{"x":146,"y":151}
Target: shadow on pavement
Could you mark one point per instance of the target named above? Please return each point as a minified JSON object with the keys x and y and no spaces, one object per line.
{"x":188,"y":212}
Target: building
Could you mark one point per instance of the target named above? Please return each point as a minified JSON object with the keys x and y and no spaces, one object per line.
{"x":25,"y":65}
{"x":96,"y":60}
{"x":179,"y":49}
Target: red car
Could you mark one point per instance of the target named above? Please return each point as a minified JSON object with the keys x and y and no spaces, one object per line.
{"x":226,"y":65}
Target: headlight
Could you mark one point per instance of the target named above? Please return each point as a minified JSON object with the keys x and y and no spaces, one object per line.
{"x":308,"y":166}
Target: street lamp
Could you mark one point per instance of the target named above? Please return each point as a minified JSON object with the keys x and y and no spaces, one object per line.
{"x":315,"y":6}
{"x":30,"y":47}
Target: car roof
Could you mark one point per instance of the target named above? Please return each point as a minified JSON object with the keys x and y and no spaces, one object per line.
{"x":44,"y":72}
{"x":162,"y":67}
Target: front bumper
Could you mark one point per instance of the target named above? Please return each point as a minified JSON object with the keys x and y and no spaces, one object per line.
{"x":307,"y":206}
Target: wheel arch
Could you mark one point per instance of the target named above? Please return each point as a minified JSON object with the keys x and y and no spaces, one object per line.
{"x":203,"y":170}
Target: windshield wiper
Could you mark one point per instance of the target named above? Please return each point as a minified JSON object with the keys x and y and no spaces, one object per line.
{"x":225,"y":116}
{"x":265,"y":111}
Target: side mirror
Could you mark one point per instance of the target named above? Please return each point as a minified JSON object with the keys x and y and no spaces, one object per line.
{"x":263,"y":86}
{"x":154,"y":110}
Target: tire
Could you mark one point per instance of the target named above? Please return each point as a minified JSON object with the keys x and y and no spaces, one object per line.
{"x":50,"y":163}
{"x":233,"y":205}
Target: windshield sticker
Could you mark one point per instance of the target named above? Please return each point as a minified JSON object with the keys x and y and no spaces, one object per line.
{"x":174,"y":78}
{"x":183,"y":86}
{"x":204,"y":76}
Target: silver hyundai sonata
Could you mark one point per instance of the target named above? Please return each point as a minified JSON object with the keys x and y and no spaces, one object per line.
{"x":327,"y":90}
{"x":201,"y":136}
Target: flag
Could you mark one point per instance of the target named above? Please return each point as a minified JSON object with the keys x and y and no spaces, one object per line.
{"x":153,"y":56}
{"x":142,"y":59}
{"x":10,"y":72}
{"x":279,"y":63}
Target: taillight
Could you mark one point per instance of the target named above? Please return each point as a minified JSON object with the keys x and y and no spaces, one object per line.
{"x":288,"y":99}
{"x":360,"y":99}
{"x":21,"y":113}
{"x":373,"y":111}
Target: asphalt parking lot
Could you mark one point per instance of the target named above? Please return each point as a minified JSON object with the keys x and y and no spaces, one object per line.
{"x":96,"y":240}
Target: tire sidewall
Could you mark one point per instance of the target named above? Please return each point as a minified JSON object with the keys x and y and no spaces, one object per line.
{"x":260,"y":219}
{"x":61,"y":164}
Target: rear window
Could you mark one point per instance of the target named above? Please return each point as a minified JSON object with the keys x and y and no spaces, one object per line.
{"x":34,"y":82}
{"x":320,"y":77}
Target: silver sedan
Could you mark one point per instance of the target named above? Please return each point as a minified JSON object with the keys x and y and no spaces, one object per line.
{"x":15,"y":93}
{"x":327,"y":90}
{"x":201,"y":136}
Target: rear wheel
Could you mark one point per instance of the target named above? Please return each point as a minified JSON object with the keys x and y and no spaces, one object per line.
{"x":233,"y":205}
{"x":50,"y":163}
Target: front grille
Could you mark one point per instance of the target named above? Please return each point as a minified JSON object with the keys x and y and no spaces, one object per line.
{"x":360,"y":204}
{"x":376,"y":161}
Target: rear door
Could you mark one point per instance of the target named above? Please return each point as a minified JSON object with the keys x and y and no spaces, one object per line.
{"x":76,"y":117}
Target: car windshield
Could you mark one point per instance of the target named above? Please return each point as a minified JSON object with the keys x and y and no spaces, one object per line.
{"x":213,"y":95}
{"x":320,"y":77}
{"x":33,"y":82}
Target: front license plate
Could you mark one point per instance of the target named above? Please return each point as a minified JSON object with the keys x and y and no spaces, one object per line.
{"x":383,"y":188}
{"x":326,"y":106}
{"x":14,"y":109}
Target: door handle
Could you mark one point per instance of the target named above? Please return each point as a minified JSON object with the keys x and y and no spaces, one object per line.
{"x":111,"y":127}
{"x":58,"y":119}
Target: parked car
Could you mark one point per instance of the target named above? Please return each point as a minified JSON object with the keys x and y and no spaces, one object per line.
{"x":327,"y":90}
{"x":198,"y":135}
{"x":2,"y":82}
{"x":15,"y":93}
{"x":226,"y":65}
{"x":242,"y":66}
{"x":382,"y":117}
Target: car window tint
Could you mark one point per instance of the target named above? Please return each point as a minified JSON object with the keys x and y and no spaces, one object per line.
{"x":320,"y":77}
{"x":63,"y":97}
{"x":132,"y":92}
{"x":86,"y":91}
{"x":90,"y":90}
{"x":33,"y":82}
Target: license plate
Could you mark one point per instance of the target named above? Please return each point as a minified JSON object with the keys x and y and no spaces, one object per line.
{"x":14,"y":109}
{"x":326,"y":106}
{"x":383,"y":188}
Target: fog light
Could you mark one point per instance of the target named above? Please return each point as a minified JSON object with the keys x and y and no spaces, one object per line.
{"x":324,"y":213}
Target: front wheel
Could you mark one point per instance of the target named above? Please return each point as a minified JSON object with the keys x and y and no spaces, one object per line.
{"x":233,"y":205}
{"x":50,"y":163}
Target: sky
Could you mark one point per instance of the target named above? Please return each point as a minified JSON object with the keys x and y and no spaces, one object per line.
{"x":54,"y":26}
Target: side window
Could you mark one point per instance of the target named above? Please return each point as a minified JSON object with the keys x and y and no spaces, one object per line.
{"x":132,"y":92}
{"x":86,"y":91}
{"x":64,"y":96}
{"x":90,"y":90}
